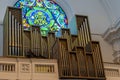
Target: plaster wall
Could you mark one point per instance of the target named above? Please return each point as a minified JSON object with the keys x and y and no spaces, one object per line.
{"x":112,"y":9}
{"x":98,"y":18}
{"x":1,"y":40}
{"x":106,"y":48}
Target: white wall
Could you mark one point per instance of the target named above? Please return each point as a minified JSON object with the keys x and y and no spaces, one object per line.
{"x":106,"y":48}
{"x":112,"y":8}
{"x":98,"y":18}
{"x":3,"y":6}
{"x":115,"y":5}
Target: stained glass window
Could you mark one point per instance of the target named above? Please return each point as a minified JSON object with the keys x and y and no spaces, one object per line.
{"x":44,"y":13}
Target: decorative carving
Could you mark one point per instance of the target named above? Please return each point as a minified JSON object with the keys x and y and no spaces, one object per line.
{"x":113,"y":32}
{"x":112,"y":36}
{"x":25,"y":67}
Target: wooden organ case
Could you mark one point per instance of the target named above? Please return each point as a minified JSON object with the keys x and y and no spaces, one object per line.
{"x":78,"y":56}
{"x":13,"y":33}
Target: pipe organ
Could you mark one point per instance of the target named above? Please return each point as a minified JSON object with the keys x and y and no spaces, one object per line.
{"x":13,"y":33}
{"x":84,"y":32}
{"x":78,"y":56}
{"x":35,"y":40}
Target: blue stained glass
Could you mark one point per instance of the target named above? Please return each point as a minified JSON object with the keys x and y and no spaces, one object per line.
{"x":44,"y":13}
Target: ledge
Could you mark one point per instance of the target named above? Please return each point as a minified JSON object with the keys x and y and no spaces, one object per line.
{"x":112,"y":33}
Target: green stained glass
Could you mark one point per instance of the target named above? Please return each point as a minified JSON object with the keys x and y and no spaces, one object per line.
{"x":44,"y":13}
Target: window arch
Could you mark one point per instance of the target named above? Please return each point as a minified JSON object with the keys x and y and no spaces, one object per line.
{"x":44,"y":13}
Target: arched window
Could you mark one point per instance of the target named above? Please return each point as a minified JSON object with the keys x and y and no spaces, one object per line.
{"x":44,"y":13}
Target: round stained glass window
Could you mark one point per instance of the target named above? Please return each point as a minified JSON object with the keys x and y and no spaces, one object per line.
{"x":46,"y":14}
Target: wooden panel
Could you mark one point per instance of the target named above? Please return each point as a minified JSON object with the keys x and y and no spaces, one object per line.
{"x":35,"y":41}
{"x":98,"y":59}
{"x":17,"y":12}
{"x":84,"y":32}
{"x":66,"y":34}
{"x":60,"y":52}
{"x":51,"y":41}
{"x":74,"y":41}
{"x":44,"y":46}
{"x":27,"y":42}
{"x":83,"y":71}
{"x":91,"y":68}
{"x":14,"y":32}
{"x":15,"y":38}
{"x":64,"y":55}
{"x":55,"y":51}
{"x":5,"y":33}
{"x":74,"y":64}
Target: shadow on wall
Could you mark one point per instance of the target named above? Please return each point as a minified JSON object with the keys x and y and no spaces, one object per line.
{"x":1,"y":39}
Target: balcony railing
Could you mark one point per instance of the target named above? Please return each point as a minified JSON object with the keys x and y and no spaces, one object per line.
{"x":112,"y":69}
{"x":28,"y":69}
{"x":4,"y":67}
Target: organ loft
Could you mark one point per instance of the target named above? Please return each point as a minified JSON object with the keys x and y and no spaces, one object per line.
{"x":78,"y":57}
